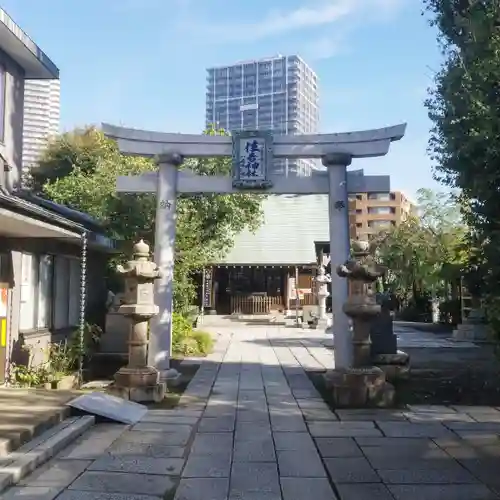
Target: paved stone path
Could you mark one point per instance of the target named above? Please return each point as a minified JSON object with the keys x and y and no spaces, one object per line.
{"x":408,"y":337}
{"x":251,"y":426}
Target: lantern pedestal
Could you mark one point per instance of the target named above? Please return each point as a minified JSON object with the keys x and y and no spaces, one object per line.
{"x":137,"y":381}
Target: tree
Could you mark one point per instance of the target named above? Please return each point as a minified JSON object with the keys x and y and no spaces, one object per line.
{"x":79,"y":169}
{"x":82,"y":148}
{"x":465,"y":139}
{"x":423,"y":253}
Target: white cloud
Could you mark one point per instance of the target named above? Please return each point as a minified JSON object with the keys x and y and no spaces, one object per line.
{"x":323,"y":47}
{"x":278,"y":22}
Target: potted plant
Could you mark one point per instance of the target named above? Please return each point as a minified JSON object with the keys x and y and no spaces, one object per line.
{"x":62,"y":358}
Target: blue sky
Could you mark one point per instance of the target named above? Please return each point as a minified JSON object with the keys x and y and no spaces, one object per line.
{"x":141,"y":63}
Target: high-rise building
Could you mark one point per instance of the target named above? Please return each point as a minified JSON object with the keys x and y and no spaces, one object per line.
{"x":370,"y":213}
{"x":41,"y":118}
{"x":277,"y":93}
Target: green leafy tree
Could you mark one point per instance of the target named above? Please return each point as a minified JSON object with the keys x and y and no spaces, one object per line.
{"x":79,"y":169}
{"x":424,"y":253}
{"x":465,"y":141}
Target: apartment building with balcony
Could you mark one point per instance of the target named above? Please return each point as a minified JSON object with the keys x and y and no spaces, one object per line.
{"x":370,"y":213}
{"x":278,"y":93}
{"x":41,"y":118}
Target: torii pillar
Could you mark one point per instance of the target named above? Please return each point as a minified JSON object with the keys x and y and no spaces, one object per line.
{"x":336,"y":152}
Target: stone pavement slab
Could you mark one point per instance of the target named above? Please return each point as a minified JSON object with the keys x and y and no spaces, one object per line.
{"x":295,"y":488}
{"x":212,"y":444}
{"x":56,"y":474}
{"x":203,"y":489}
{"x":31,"y":493}
{"x":254,"y":478}
{"x":304,"y":464}
{"x":254,"y":451}
{"x":138,"y":464}
{"x":92,"y":495}
{"x":94,"y":443}
{"x":338,"y":447}
{"x":155,"y":449}
{"x":343,"y":429}
{"x":351,"y":470}
{"x":442,"y":492}
{"x":366,"y":491}
{"x":414,"y":430}
{"x":123,"y":482}
{"x":208,"y":466}
{"x":293,"y":441}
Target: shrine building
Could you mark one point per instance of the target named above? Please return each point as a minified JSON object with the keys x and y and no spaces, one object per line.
{"x":259,"y":274}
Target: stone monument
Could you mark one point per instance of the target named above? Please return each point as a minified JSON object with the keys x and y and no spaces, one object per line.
{"x":384,"y":347}
{"x":473,"y":328}
{"x":322,"y":281}
{"x":362,"y":384}
{"x":137,"y":381}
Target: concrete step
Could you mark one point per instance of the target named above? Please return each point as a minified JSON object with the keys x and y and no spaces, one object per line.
{"x":27,"y":413}
{"x":18,"y":464}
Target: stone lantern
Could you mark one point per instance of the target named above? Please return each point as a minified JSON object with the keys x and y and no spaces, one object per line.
{"x":322,"y":280}
{"x":137,"y":381}
{"x":362,"y":384}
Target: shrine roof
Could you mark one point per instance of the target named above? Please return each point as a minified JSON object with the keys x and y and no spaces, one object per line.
{"x":292,"y":225}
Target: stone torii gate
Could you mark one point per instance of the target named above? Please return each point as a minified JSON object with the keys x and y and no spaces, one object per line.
{"x":253,"y":153}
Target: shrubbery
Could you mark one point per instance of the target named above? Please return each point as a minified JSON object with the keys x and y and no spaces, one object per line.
{"x":186,"y":341}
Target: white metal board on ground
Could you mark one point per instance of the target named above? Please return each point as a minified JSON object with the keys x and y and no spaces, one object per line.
{"x":108,"y":406}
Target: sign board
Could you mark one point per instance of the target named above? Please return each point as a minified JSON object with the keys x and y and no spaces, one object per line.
{"x":3,"y":302}
{"x":301,"y":292}
{"x":4,"y":294}
{"x":207,"y":287}
{"x":252,"y":159}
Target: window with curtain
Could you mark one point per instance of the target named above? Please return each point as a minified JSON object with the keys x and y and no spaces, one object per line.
{"x":45,"y":281}
{"x":29,"y":289}
{"x":50,"y":292}
{"x":74,"y":293}
{"x":61,"y":292}
{"x":67,"y":292}
{"x":36,"y":292}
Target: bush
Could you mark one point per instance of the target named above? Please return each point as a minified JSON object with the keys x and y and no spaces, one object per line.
{"x":186,"y":341}
{"x":204,"y":341}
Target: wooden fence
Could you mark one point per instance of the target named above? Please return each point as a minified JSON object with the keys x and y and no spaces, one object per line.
{"x":255,"y":304}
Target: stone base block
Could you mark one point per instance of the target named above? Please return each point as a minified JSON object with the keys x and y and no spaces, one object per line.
{"x":324,"y":324}
{"x":471,"y":332}
{"x":360,"y":388}
{"x":395,"y":366}
{"x":146,"y":394}
{"x":328,"y":343}
{"x":146,"y":376}
{"x":395,"y":372}
{"x":400,"y":358}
